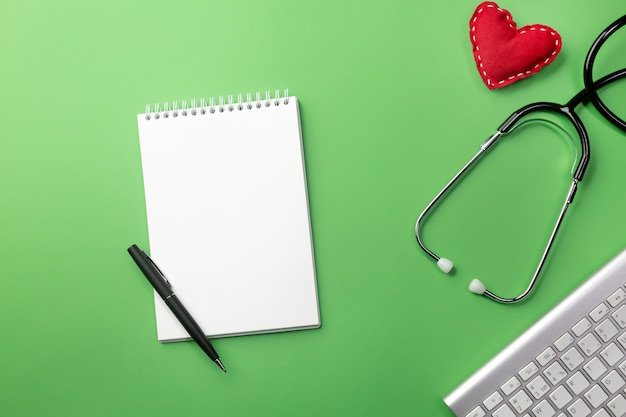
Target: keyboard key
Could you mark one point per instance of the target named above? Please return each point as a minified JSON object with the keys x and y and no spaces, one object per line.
{"x":599,"y":312}
{"x":594,"y":368}
{"x":572,"y":358}
{"x":555,"y":373}
{"x":538,"y":387}
{"x":612,"y":354}
{"x":606,"y":330}
{"x":577,"y":383}
{"x":581,"y":327}
{"x":567,"y":339}
{"x":560,"y":397}
{"x":622,"y":367}
{"x":527,"y":371}
{"x":544,"y":409}
{"x":521,"y":401}
{"x":602,"y":413}
{"x":617,"y":297}
{"x":596,"y":396}
{"x":546,"y":356}
{"x":477,"y":412}
{"x":622,"y":340}
{"x":503,"y":411}
{"x":510,"y":386}
{"x":620,"y":316}
{"x":613,"y":382}
{"x":579,"y":408}
{"x":493,"y":400}
{"x":617,"y":406}
{"x":589,"y":344}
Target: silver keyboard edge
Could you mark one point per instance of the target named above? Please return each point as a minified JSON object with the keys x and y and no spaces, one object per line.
{"x":529,"y":344}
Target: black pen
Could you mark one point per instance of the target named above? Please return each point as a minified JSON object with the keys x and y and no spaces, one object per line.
{"x":164,"y":289}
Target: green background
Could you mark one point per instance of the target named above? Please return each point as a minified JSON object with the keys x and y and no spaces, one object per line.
{"x":392,"y":106}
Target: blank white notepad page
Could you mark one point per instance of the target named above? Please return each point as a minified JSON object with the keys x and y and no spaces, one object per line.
{"x":228,"y":217}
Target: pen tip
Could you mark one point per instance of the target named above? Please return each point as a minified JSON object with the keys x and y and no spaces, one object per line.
{"x":220,"y":364}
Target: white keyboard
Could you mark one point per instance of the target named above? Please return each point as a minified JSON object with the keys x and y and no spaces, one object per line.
{"x":570,"y":363}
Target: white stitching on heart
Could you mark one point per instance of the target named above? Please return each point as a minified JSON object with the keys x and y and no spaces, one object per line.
{"x":509,"y":20}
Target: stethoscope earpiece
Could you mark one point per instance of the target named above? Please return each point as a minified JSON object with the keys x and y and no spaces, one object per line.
{"x":477,"y":287}
{"x":445,"y":265}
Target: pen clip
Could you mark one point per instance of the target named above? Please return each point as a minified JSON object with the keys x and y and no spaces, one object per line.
{"x":161,"y":274}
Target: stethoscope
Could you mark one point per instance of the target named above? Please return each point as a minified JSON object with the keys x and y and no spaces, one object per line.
{"x":589,"y":93}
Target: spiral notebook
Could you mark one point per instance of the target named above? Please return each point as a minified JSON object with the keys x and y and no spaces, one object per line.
{"x":228,"y":214}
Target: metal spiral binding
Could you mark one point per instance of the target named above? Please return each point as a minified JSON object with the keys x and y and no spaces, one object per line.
{"x":165,"y":110}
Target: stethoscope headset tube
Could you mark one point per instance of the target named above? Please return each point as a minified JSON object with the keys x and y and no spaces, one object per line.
{"x":591,"y":87}
{"x":589,"y":93}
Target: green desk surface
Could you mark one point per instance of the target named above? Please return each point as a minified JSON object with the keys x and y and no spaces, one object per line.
{"x":392,"y":106}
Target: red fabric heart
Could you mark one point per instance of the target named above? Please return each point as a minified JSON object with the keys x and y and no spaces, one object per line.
{"x":505,"y":54}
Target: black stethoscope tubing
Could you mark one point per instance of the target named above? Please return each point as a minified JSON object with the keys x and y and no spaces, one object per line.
{"x":587,"y":94}
{"x":590,"y":86}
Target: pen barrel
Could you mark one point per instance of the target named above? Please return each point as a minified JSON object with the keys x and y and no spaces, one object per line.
{"x":192,"y":327}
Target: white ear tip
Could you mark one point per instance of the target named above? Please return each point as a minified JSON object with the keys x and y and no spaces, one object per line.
{"x":477,"y":287}
{"x":445,"y":265}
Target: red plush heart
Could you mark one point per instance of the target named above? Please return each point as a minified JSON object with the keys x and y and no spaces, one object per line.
{"x":505,"y":54}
